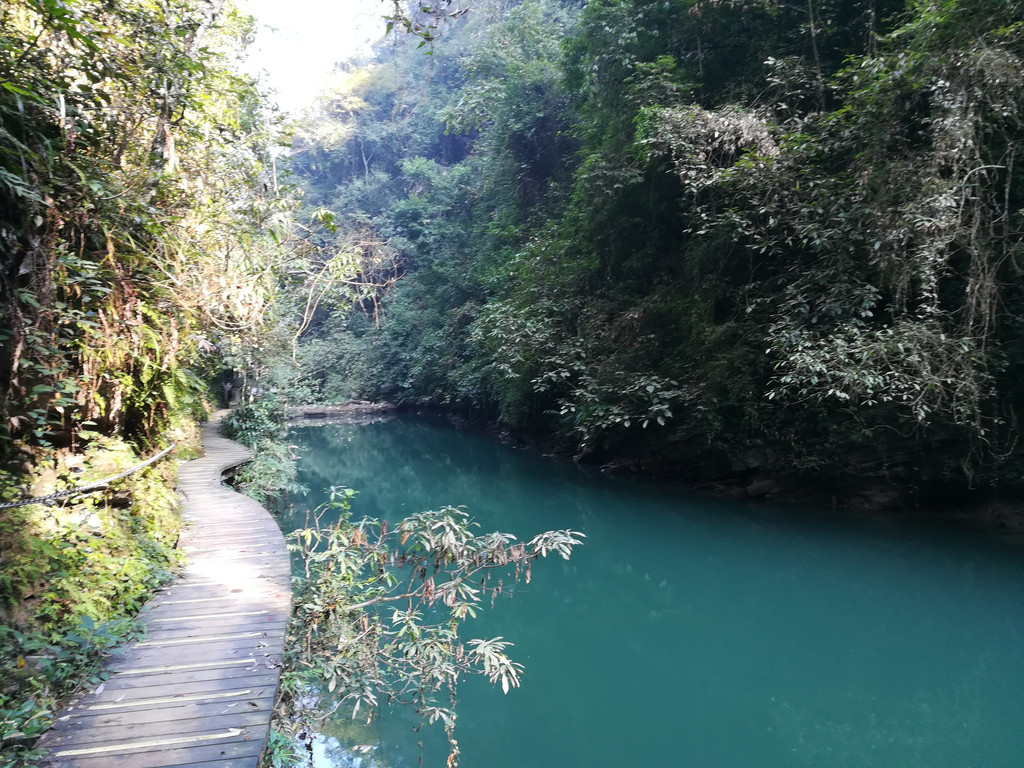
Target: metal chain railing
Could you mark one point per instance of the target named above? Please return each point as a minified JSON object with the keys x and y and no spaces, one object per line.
{"x":89,"y":487}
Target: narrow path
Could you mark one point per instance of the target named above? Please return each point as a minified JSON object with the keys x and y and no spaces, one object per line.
{"x":199,"y":688}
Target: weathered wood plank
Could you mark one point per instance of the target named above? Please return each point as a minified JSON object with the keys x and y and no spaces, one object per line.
{"x":172,"y":676}
{"x":165,"y":614}
{"x":187,"y":711}
{"x":171,"y":706}
{"x":235,"y":762}
{"x":187,"y":637}
{"x":212,"y":751}
{"x":255,"y":679}
{"x":251,"y":677}
{"x":238,"y":587}
{"x":239,"y":590}
{"x":99,"y":733}
{"x":169,"y":628}
{"x":257,"y":648}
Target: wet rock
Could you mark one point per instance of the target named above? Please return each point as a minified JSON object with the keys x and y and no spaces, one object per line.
{"x":875,"y":500}
{"x":338,"y":409}
{"x":762,"y":487}
{"x":755,"y":458}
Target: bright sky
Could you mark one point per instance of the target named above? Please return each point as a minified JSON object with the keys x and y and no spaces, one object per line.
{"x":298,"y":41}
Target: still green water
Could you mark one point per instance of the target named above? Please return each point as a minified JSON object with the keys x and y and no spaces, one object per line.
{"x":697,"y":632}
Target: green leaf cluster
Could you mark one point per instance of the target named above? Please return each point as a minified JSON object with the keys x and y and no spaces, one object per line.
{"x":379,"y":610}
{"x":788,"y":229}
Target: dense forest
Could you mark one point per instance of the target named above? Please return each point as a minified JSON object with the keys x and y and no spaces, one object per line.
{"x":767,"y":247}
{"x":773,"y":247}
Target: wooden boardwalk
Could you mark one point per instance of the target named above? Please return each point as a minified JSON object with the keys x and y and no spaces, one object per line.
{"x":198,"y":690}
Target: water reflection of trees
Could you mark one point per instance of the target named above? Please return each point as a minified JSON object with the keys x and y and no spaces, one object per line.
{"x":798,"y":631}
{"x":472,"y":471}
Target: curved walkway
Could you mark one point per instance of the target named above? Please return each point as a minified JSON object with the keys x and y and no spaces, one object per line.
{"x":198,"y":690}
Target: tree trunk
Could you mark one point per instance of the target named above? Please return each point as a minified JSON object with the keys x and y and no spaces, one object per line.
{"x":813,"y":27}
{"x":161,"y":155}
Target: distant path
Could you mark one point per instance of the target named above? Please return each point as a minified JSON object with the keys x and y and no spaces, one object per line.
{"x":351,"y":408}
{"x":198,"y":690}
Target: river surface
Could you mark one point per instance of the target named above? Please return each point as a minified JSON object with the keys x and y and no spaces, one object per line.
{"x":695,"y":632}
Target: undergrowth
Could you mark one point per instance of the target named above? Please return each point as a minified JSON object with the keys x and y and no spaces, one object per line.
{"x":271,"y":474}
{"x":72,"y":576}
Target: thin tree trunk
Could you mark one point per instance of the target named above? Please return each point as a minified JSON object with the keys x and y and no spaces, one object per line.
{"x":872,"y":28}
{"x":162,"y":146}
{"x":817,"y":56}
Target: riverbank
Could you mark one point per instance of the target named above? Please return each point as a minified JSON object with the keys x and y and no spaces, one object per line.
{"x":339,"y":410}
{"x":871,"y":486}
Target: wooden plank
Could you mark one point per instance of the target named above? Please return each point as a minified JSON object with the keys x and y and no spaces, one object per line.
{"x":131,"y":671}
{"x":257,"y":648}
{"x":178,"y":635}
{"x":165,"y":699}
{"x":223,"y":660}
{"x":186,"y":637}
{"x":162,"y":618}
{"x":203,"y":617}
{"x":171,"y":628}
{"x":223,"y":556}
{"x":249,"y":744}
{"x":199,"y":601}
{"x":179,"y":678}
{"x":253,"y":680}
{"x":224,"y":693}
{"x":187,"y":711}
{"x":217,"y":532}
{"x":223,"y":593}
{"x":235,"y":762}
{"x":270,"y":585}
{"x":98,"y":733}
{"x":239,"y":543}
{"x":208,"y":602}
{"x":245,"y":537}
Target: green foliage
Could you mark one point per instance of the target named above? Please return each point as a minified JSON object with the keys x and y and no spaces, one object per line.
{"x":131,"y":156}
{"x":41,"y":672}
{"x":251,"y":423}
{"x":270,"y":475}
{"x":137,"y":242}
{"x":99,"y":554}
{"x":786,"y":226}
{"x":72,"y":577}
{"x":424,"y":577}
{"x":281,"y":751}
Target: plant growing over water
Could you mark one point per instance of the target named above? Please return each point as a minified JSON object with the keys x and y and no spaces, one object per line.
{"x":260,"y":426}
{"x":423,"y":577}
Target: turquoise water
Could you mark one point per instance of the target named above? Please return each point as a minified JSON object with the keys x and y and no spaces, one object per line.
{"x":696,"y":632}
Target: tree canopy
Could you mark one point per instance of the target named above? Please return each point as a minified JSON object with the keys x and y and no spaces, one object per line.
{"x":722,"y":240}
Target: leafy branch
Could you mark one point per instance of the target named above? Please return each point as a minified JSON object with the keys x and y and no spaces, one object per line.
{"x":439,"y":571}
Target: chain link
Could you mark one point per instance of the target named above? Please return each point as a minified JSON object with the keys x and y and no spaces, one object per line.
{"x":90,"y":487}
